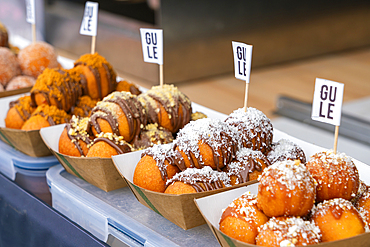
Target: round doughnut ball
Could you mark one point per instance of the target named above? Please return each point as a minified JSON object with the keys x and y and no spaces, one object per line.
{"x":286,"y":188}
{"x":105,"y":145}
{"x":9,"y":66}
{"x":288,"y":231}
{"x":285,"y":150}
{"x":36,"y":57}
{"x":363,"y":205}
{"x":337,"y":219}
{"x":241,"y":219}
{"x":336,"y":175}
{"x":154,"y":168}
{"x":256,"y":130}
{"x":20,"y":81}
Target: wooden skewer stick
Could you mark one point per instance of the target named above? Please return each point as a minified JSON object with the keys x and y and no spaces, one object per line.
{"x":336,"y":138}
{"x":161,"y":75}
{"x":34,"y":33}
{"x":246,"y":96}
{"x":93,"y":42}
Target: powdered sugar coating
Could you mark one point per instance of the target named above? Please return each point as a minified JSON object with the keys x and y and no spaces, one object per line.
{"x":21,"y":81}
{"x":285,"y":149}
{"x":9,"y":66}
{"x":255,"y":128}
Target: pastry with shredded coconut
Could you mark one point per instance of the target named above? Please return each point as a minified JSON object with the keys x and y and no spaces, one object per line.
{"x":194,"y":180}
{"x":337,"y":219}
{"x":241,"y":219}
{"x":256,"y":130}
{"x":288,"y":231}
{"x":155,"y":168}
{"x":286,"y":188}
{"x":363,"y":205}
{"x":336,"y":175}
{"x":285,"y":149}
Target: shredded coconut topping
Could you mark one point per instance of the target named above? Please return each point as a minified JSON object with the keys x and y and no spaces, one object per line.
{"x":286,"y":150}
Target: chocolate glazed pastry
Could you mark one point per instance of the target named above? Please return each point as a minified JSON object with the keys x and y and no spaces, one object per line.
{"x":3,"y":36}
{"x":19,"y":111}
{"x":119,"y":113}
{"x":106,"y":145}
{"x":167,"y":106}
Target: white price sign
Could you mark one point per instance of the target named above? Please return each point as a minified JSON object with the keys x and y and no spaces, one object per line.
{"x":89,"y":23}
{"x":327,"y":101}
{"x":30,"y":11}
{"x":152,"y":43}
{"x":242,"y":60}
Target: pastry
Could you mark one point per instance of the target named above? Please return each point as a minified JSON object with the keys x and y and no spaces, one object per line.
{"x":83,"y":106}
{"x":197,"y":115}
{"x":155,"y":168}
{"x":286,"y":188}
{"x":363,"y":205}
{"x":19,"y":111}
{"x":9,"y":66}
{"x":4,"y":42}
{"x":36,"y":57}
{"x":285,"y":149}
{"x":151,"y":135}
{"x":20,"y":81}
{"x":256,"y":130}
{"x":288,"y":231}
{"x":105,"y":145}
{"x":98,"y":74}
{"x":205,"y":142}
{"x":119,"y":113}
{"x":337,"y":219}
{"x":336,"y":175}
{"x":167,"y":107}
{"x":194,"y":180}
{"x":45,"y":116}
{"x":74,"y":139}
{"x":241,"y":219}
{"x":247,"y":166}
{"x":127,"y":86}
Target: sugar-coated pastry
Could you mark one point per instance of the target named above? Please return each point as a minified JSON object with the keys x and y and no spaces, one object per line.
{"x":119,"y":113}
{"x":74,"y":139}
{"x":167,"y":106}
{"x":45,"y":116}
{"x":241,"y":219}
{"x":205,"y":142}
{"x":194,"y":180}
{"x":20,"y":81}
{"x":288,"y":231}
{"x":151,"y":135}
{"x":336,"y":175}
{"x":285,"y":149}
{"x":286,"y":188}
{"x":56,"y":87}
{"x":337,"y":219}
{"x":36,"y":57}
{"x":154,"y":168}
{"x":98,"y":74}
{"x":4,"y":40}
{"x":84,"y":106}
{"x":363,"y":205}
{"x":247,"y":166}
{"x":127,"y":86}
{"x":9,"y":66}
{"x":256,"y":130}
{"x":105,"y":145}
{"x":19,"y":111}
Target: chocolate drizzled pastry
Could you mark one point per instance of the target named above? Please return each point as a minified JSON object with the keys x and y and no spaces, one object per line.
{"x":256,"y":130}
{"x":167,"y":106}
{"x":152,"y":134}
{"x":105,"y":145}
{"x":119,"y":113}
{"x":285,"y":150}
{"x":19,"y":111}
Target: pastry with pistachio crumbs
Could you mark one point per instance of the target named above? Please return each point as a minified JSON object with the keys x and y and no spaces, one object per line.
{"x":119,"y":113}
{"x":56,"y":87}
{"x":19,"y":111}
{"x":105,"y":145}
{"x":45,"y":116}
{"x":286,"y":188}
{"x":74,"y":139}
{"x":151,"y":135}
{"x":194,"y":180}
{"x":285,"y":149}
{"x":127,"y":86}
{"x":205,"y":142}
{"x":288,"y":231}
{"x":247,"y":166}
{"x":241,"y":219}
{"x":155,"y":168}
{"x":167,"y":106}
{"x":197,"y":115}
{"x":98,"y":74}
{"x":336,"y":175}
{"x":256,"y":130}
{"x":337,"y":219}
{"x":83,"y":106}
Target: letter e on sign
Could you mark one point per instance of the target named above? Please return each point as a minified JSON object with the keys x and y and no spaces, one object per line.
{"x":327,"y":101}
{"x":89,"y":24}
{"x":152,"y":44}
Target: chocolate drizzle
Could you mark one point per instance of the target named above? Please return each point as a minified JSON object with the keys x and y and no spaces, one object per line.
{"x":76,"y":137}
{"x":121,"y":148}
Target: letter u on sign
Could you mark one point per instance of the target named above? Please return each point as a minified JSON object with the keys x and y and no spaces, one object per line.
{"x":327,"y":101}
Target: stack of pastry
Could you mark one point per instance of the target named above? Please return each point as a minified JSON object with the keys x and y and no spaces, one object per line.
{"x":210,"y":154}
{"x":301,"y":204}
